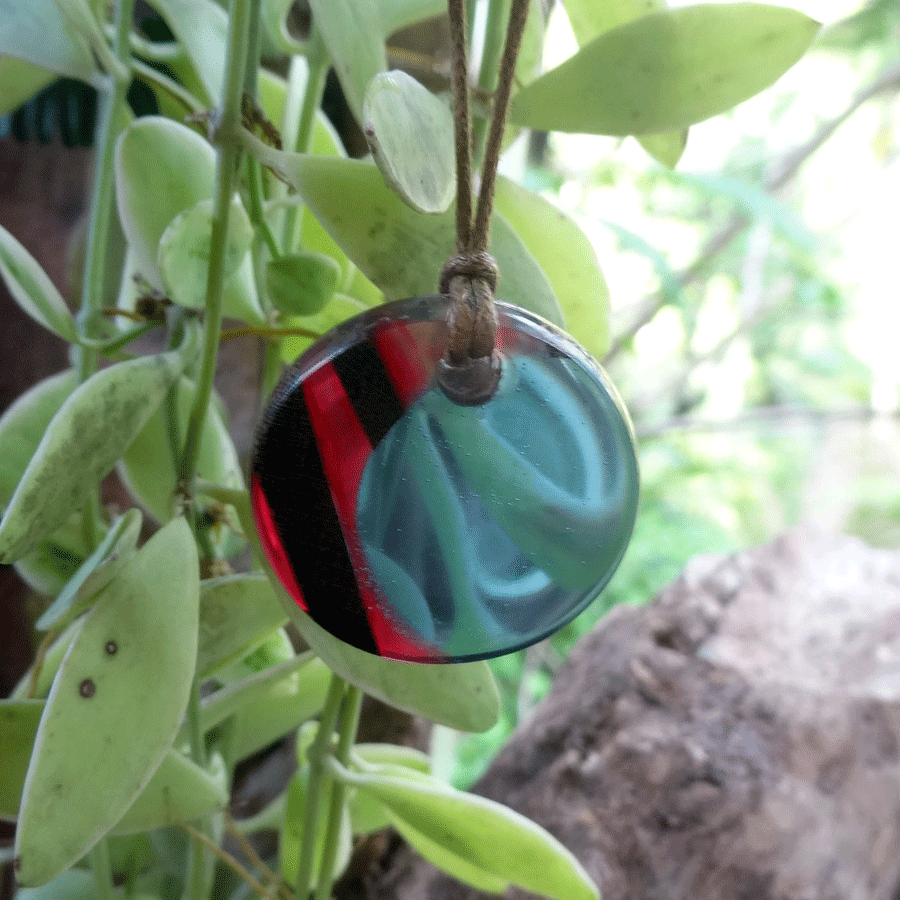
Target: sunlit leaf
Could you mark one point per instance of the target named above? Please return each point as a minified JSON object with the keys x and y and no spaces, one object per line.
{"x":667,"y":70}
{"x":410,"y":134}
{"x":400,"y":250}
{"x":115,"y":706}
{"x":590,"y":19}
{"x":81,"y":444}
{"x":352,"y":33}
{"x":665,"y":147}
{"x":567,"y":258}
{"x":21,"y":81}
{"x":201,"y":28}
{"x":475,"y":838}
{"x":301,"y":284}
{"x":31,"y":287}
{"x":149,"y":465}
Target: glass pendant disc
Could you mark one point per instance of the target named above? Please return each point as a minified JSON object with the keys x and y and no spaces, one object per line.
{"x":418,"y":529}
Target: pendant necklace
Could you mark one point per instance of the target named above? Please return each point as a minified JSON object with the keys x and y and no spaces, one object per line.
{"x":447,"y":478}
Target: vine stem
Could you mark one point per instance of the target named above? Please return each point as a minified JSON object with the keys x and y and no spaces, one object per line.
{"x":488,"y":71}
{"x":318,"y":754}
{"x":227,"y":159}
{"x":112,"y":102}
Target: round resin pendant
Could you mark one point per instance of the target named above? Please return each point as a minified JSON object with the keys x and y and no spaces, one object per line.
{"x":419,"y":529}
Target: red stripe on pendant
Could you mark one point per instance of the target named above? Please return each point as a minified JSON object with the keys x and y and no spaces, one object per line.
{"x":344,"y":450}
{"x":271,"y":542}
{"x":404,"y":359}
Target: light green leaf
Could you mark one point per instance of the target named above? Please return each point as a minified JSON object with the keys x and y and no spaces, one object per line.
{"x":590,"y":19}
{"x":178,"y":791}
{"x":31,"y":287}
{"x":301,"y":283}
{"x":275,"y":31}
{"x":665,"y":147}
{"x":201,"y":28}
{"x":337,"y":310}
{"x":475,"y":838}
{"x":38,"y":32}
{"x":397,"y":14}
{"x":236,"y":614}
{"x":52,"y":661}
{"x":148,"y":465}
{"x":463,"y":696}
{"x":292,"y":832}
{"x":183,"y":253}
{"x":351,"y":32}
{"x":18,"y":725}
{"x":85,"y":438}
{"x":667,"y":70}
{"x":410,"y":134}
{"x":23,"y":425}
{"x":393,"y":755}
{"x":567,"y":258}
{"x":110,"y":557}
{"x":76,"y":884}
{"x":21,"y":81}
{"x":114,"y":708}
{"x":400,"y":250}
{"x":48,"y":568}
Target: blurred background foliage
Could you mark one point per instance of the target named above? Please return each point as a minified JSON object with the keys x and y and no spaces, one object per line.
{"x":755,"y":320}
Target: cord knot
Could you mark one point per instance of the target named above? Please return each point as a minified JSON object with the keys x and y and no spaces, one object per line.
{"x":477,"y":264}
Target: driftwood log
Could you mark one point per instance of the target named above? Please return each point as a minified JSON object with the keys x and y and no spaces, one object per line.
{"x":737,"y":739}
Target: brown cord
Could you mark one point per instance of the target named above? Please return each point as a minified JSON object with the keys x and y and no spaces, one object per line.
{"x":470,"y":369}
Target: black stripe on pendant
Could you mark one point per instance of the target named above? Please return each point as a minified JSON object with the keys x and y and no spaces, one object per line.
{"x":289,"y":468}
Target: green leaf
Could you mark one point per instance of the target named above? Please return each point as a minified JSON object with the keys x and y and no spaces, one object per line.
{"x":23,"y":425}
{"x":665,"y":147}
{"x":31,"y":287}
{"x":397,"y":14}
{"x":201,"y":28}
{"x":183,"y":253}
{"x":590,"y":19}
{"x":95,"y":573}
{"x":463,"y":696}
{"x":115,"y":706}
{"x":392,"y":755}
{"x":410,"y":134}
{"x":337,"y":310}
{"x":236,"y":614}
{"x":472,"y":837}
{"x":82,"y":442}
{"x":301,"y":283}
{"x":37,"y":31}
{"x":52,"y":661}
{"x":21,"y":81}
{"x":76,"y":884}
{"x":148,"y":465}
{"x":48,"y":568}
{"x":278,"y":38}
{"x":566,"y":256}
{"x":400,"y":250}
{"x":667,"y":70}
{"x":178,"y":791}
{"x":292,"y":831}
{"x":18,"y":725}
{"x":352,"y":33}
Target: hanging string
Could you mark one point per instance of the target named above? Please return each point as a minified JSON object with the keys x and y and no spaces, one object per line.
{"x":470,"y":369}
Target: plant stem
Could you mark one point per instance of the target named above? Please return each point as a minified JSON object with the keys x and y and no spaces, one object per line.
{"x":102,"y":870}
{"x":349,"y":725}
{"x":112,"y":101}
{"x":489,"y":71}
{"x":227,"y":159}
{"x":318,"y":753}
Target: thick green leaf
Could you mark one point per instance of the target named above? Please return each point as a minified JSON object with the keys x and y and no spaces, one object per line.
{"x":21,"y":81}
{"x":400,"y":250}
{"x":37,"y":31}
{"x":393,"y":755}
{"x":23,"y":425}
{"x":76,"y":884}
{"x":301,"y":284}
{"x":410,"y":134}
{"x":115,"y":706}
{"x":463,"y":696}
{"x":148,"y":465}
{"x":31,"y":287}
{"x":183,"y":254}
{"x":18,"y":725}
{"x":85,"y":438}
{"x":48,"y":568}
{"x":178,"y":791}
{"x":95,"y":573}
{"x":667,"y":70}
{"x":665,"y":147}
{"x":351,"y":31}
{"x":590,"y":19}
{"x":276,"y":35}
{"x":236,"y":614}
{"x":201,"y":28}
{"x":397,"y":14}
{"x":337,"y":310}
{"x":493,"y":842}
{"x":567,"y":258}
{"x":292,"y":831}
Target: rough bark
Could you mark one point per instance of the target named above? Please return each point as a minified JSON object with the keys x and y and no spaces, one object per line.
{"x":737,"y":738}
